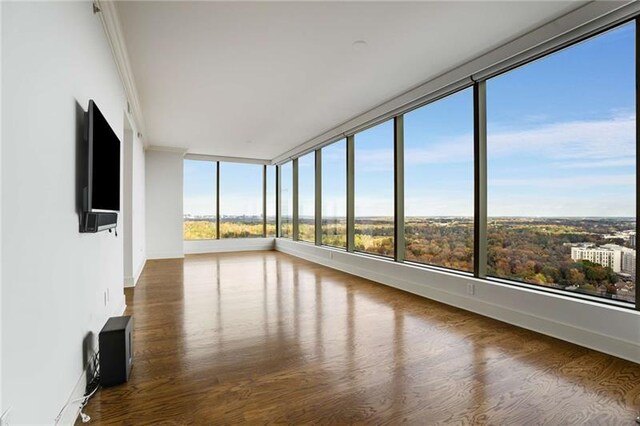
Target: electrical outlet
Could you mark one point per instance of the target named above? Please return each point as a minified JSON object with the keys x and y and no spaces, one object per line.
{"x":108,"y":296}
{"x":5,"y":418}
{"x":105,"y":298}
{"x":471,"y":289}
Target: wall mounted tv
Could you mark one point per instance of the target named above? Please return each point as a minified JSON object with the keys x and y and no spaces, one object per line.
{"x":101,"y":194}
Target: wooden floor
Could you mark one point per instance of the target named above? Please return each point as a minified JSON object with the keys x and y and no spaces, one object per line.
{"x":262,"y":337}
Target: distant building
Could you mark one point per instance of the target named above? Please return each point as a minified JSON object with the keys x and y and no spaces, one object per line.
{"x":619,"y":259}
{"x":601,"y":255}
{"x":629,"y":262}
{"x":628,"y":235}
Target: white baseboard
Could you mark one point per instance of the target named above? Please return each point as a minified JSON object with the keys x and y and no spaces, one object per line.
{"x":120,"y":310}
{"x":228,"y":245}
{"x":69,"y":414}
{"x":165,"y":255}
{"x":139,"y":271}
{"x":605,"y":328}
{"x":132,"y":281}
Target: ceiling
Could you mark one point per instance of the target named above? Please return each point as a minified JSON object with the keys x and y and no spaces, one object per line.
{"x":257,"y":79}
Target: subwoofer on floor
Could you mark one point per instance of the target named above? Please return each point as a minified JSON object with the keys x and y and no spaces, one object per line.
{"x":116,"y":350}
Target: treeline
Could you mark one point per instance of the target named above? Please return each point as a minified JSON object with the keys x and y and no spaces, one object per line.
{"x":535,"y":251}
{"x":206,"y":230}
{"x":530,"y":250}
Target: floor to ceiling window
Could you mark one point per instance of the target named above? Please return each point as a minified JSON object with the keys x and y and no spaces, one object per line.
{"x":561,"y":176}
{"x":438,"y":182}
{"x":334,"y":194}
{"x":286,"y":200}
{"x":240,"y":200}
{"x":306,"y":197}
{"x":374,"y":190}
{"x":199,"y":200}
{"x":271,"y":201}
{"x":562,"y":169}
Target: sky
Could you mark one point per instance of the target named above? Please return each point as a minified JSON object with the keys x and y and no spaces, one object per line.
{"x":560,"y":141}
{"x":286,"y":186}
{"x":334,"y":179}
{"x":199,"y":184}
{"x":306,"y":185}
{"x":240,"y":188}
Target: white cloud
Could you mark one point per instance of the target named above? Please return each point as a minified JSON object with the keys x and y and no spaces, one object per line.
{"x":335,"y":155}
{"x":457,"y":150}
{"x":594,"y":164}
{"x":374,"y":160}
{"x":589,"y":140}
{"x":573,"y":144}
{"x":596,"y":143}
{"x":454,"y":150}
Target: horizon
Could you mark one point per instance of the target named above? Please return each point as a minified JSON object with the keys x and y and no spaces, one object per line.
{"x":626,"y":218}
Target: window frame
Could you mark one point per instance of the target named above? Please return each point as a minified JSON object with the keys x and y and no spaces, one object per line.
{"x":394,"y":199}
{"x":320,"y":175}
{"x":261,"y":185}
{"x":480,"y":172}
{"x":263,"y":193}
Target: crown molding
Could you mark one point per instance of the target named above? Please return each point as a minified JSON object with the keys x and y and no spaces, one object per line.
{"x":224,"y":159}
{"x":107,"y":11}
{"x":171,"y":149}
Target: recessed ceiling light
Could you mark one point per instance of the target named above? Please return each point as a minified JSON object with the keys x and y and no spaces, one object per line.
{"x":359,"y":45}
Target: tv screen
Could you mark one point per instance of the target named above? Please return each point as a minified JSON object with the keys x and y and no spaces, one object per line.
{"x":104,"y":163}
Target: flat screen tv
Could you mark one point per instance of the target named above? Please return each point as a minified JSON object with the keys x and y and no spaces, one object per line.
{"x":103,"y":190}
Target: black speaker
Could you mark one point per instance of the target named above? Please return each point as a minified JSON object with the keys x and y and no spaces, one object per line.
{"x":116,"y":351}
{"x":98,"y":221}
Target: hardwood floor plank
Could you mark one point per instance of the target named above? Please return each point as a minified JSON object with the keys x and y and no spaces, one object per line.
{"x":263,"y":337}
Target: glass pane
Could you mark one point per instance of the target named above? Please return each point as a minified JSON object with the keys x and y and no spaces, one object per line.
{"x":240,"y":200}
{"x":271,"y":201}
{"x":438,"y":182}
{"x":334,"y":194}
{"x":306,"y":197}
{"x":286,"y":200}
{"x":562,"y":169}
{"x":374,"y":190}
{"x":199,"y":200}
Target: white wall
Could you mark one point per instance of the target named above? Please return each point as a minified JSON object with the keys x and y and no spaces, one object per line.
{"x":1,"y":259}
{"x":139,"y":250}
{"x":594,"y":325}
{"x":134,"y":207}
{"x":164,"y":204}
{"x":55,"y":58}
{"x":126,"y":215}
{"x":227,"y":245}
